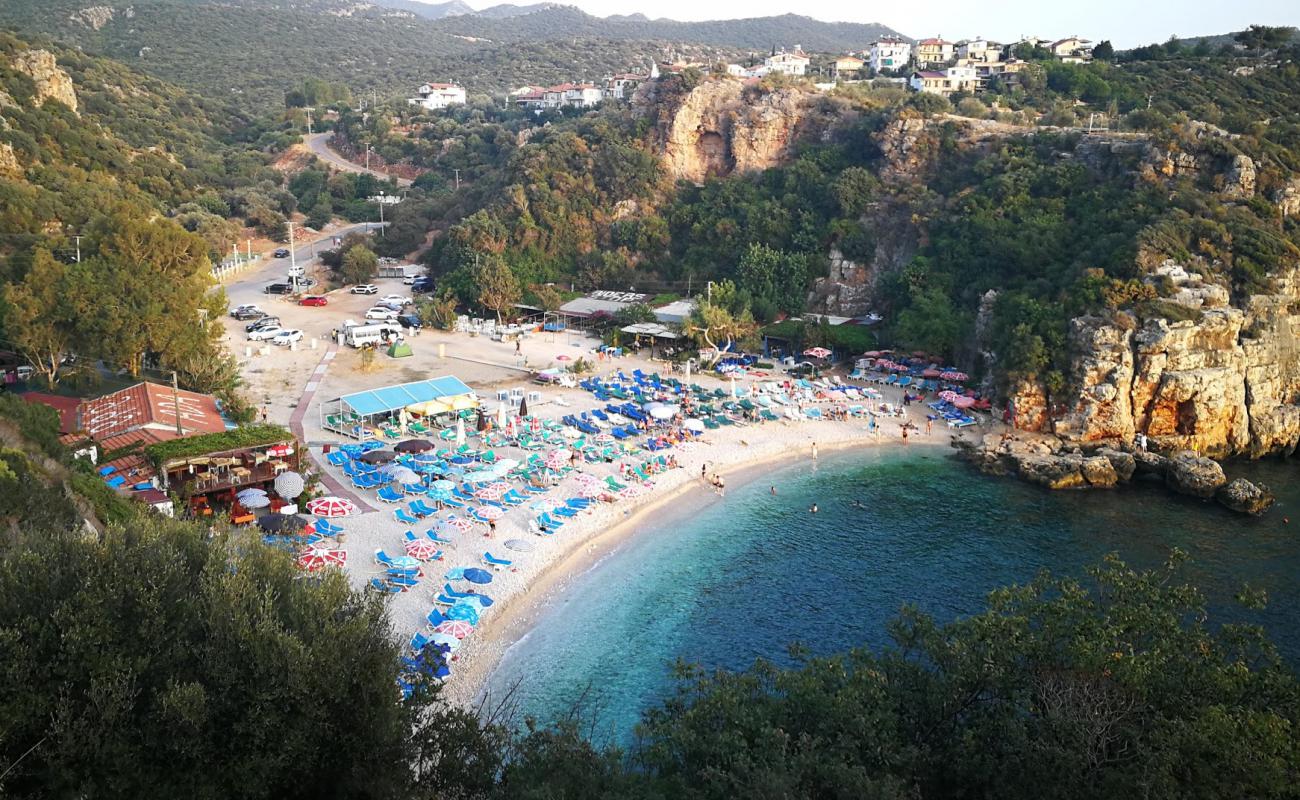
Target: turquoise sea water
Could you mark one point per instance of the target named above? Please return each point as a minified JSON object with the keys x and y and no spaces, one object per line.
{"x":747,"y":575}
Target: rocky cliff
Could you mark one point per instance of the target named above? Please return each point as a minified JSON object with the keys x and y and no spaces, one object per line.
{"x":722,"y":126}
{"x":1225,"y":382}
{"x":51,"y":81}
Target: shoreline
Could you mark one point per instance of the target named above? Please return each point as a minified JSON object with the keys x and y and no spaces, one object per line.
{"x":518,"y":614}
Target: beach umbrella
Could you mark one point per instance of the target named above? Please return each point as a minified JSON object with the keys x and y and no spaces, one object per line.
{"x":545,"y":504}
{"x":558,"y":458}
{"x":930,"y":373}
{"x":664,"y":412}
{"x":523,"y":407}
{"x":817,"y":352}
{"x":426,"y":457}
{"x":414,"y":446}
{"x":314,"y":558}
{"x":254,"y":501}
{"x":563,"y":357}
{"x":443,"y":485}
{"x":378,"y":456}
{"x":289,"y":485}
{"x":331,"y":507}
{"x":250,"y":492}
{"x":464,"y":612}
{"x":519,"y":545}
{"x":274,"y":523}
{"x":505,"y":465}
{"x":650,"y":406}
{"x":479,"y":601}
{"x":590,"y":490}
{"x":446,"y":640}
{"x":604,"y":438}
{"x":635,"y":490}
{"x":949,"y":395}
{"x":482,"y":476}
{"x":696,"y":425}
{"x":422,"y":549}
{"x":503,"y":416}
{"x":460,"y":432}
{"x":491,"y":512}
{"x":953,"y":375}
{"x":440,"y":495}
{"x":404,"y":475}
{"x":480,"y":422}
{"x":455,"y":627}
{"x":490,"y":492}
{"x":734,"y":392}
{"x":476,"y":575}
{"x":874,"y":353}
{"x":455,"y":523}
{"x":964,"y":402}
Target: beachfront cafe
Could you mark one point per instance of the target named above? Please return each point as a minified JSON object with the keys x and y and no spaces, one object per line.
{"x":209,"y":470}
{"x":365,"y":415}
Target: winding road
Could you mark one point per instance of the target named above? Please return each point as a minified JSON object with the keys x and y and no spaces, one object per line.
{"x":317,"y":143}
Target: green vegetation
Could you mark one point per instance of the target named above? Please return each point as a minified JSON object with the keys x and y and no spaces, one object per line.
{"x":163,"y":453}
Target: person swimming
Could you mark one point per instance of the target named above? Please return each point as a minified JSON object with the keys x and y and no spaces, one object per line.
{"x":813,"y":509}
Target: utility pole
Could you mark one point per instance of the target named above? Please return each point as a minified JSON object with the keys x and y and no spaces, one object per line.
{"x":381,"y":214}
{"x":368,"y":149}
{"x":457,"y":179}
{"x":176,"y":404}
{"x":708,"y":289}
{"x":78,"y":238}
{"x":309,"y":121}
{"x":293,"y":261}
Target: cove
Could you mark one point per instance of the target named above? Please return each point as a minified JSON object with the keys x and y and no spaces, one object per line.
{"x":744,"y":577}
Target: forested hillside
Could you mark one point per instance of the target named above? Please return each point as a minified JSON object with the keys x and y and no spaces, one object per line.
{"x":251,"y":52}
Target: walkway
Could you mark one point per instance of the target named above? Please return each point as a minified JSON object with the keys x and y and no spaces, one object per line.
{"x":335,"y":487}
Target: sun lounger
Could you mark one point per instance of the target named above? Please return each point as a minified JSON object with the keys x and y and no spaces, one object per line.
{"x":406,"y":518}
{"x":433,"y":536}
{"x":384,"y":588}
{"x":496,"y":563}
{"x":434,"y":618}
{"x":389,"y":495}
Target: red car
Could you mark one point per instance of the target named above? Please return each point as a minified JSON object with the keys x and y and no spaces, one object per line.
{"x":313,"y":300}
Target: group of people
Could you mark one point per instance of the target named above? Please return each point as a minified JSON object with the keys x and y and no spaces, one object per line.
{"x":718,"y":482}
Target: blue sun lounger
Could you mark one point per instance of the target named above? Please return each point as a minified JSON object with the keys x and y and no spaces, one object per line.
{"x":384,"y":588}
{"x":389,"y":495}
{"x":433,"y":536}
{"x":404,"y":517}
{"x":496,"y":563}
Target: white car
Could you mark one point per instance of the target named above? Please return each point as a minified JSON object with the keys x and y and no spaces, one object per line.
{"x":287,"y":337}
{"x":381,"y":314}
{"x":264,"y":334}
{"x":364,"y":288}
{"x":395,"y":299}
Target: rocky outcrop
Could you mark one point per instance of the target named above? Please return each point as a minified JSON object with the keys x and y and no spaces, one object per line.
{"x":1190,"y":474}
{"x":719,"y":128}
{"x":52,"y":83}
{"x":96,"y":17}
{"x":847,"y":288}
{"x":1288,"y":199}
{"x":9,"y":166}
{"x":1239,"y":180}
{"x":1245,"y":497}
{"x":905,"y":146}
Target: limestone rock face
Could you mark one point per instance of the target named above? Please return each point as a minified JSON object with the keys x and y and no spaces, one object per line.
{"x":1168,"y":164}
{"x":903,"y":144}
{"x":1102,"y":407}
{"x":1239,"y":180}
{"x":1246,"y":497}
{"x":9,"y":165}
{"x":51,"y":81}
{"x":717,"y":131}
{"x":1288,"y":199}
{"x":1099,"y":472}
{"x":846,"y":290}
{"x":1190,"y":474}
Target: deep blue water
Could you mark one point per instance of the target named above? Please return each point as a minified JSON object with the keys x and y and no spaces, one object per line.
{"x":747,"y":575}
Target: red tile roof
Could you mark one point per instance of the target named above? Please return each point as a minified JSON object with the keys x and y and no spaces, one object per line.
{"x":66,"y":406}
{"x":149,"y":405}
{"x":939,"y":42}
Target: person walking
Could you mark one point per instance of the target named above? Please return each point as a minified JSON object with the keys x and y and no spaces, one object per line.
{"x":814,"y":451}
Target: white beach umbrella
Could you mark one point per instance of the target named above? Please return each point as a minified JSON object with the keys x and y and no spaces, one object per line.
{"x":460,"y":432}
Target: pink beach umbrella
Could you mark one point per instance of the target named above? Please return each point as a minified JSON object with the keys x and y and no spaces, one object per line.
{"x":964,"y":402}
{"x":953,"y":375}
{"x":635,"y":490}
{"x":949,"y":395}
{"x":491,"y":492}
{"x":455,"y":627}
{"x":590,"y":490}
{"x":558,"y":458}
{"x":817,"y":352}
{"x":604,"y":438}
{"x":491,"y":512}
{"x":422,"y":549}
{"x":456,"y":523}
{"x":331,"y":507}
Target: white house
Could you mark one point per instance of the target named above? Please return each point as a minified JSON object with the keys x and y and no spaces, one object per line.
{"x":889,"y":53}
{"x":793,"y":63}
{"x":945,"y":82}
{"x":572,"y":95}
{"x":434,"y":96}
{"x":979,"y":51}
{"x":622,"y":86}
{"x":1072,"y":48}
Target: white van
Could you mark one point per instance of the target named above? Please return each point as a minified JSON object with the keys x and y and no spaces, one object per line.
{"x":362,"y":335}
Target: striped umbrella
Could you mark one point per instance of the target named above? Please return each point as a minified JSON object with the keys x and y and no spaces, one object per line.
{"x":635,"y":490}
{"x":456,"y":523}
{"x":331,"y":507}
{"x":314,"y":558}
{"x":463,"y":612}
{"x":590,"y":490}
{"x":422,"y":549}
{"x":455,"y":627}
{"x":451,"y":642}
{"x":558,"y":458}
{"x":491,"y":512}
{"x":491,"y":492}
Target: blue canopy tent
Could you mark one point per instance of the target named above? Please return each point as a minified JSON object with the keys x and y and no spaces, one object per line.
{"x":351,"y":413}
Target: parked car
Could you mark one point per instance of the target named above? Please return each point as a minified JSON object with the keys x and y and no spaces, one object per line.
{"x":278,"y":288}
{"x":281,"y":252}
{"x":380,"y":314}
{"x":390,"y":305}
{"x":305,"y":283}
{"x":287,"y":337}
{"x":422,"y":286}
{"x":264,"y":334}
{"x":364,"y":288}
{"x":314,"y":300}
{"x":263,"y":322}
{"x":247,"y":311}
{"x":395,"y":299}
{"x":298,"y":271}
{"x":409,"y":321}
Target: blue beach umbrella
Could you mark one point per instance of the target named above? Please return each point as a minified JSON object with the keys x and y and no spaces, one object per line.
{"x":480,"y":600}
{"x":439,"y":494}
{"x":464,"y":612}
{"x":481,"y":476}
{"x":476,"y":575}
{"x":445,"y":486}
{"x":455,"y":573}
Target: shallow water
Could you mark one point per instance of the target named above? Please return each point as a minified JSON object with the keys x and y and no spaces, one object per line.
{"x":746,"y":576}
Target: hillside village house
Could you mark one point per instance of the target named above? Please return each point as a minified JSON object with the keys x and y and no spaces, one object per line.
{"x":622,"y":86}
{"x":945,"y":82}
{"x":979,"y":51}
{"x":434,"y":96}
{"x":846,"y":68}
{"x":889,"y":53}
{"x":1072,"y":50}
{"x":572,"y":95}
{"x":935,"y":52}
{"x":793,"y":63}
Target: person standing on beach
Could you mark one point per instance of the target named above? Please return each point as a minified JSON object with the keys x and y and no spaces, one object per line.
{"x":492,"y":528}
{"x":929,"y":424}
{"x":814,"y":451}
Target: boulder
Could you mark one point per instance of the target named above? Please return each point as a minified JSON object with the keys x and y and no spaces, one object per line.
{"x":1123,"y":463}
{"x":1054,"y":472}
{"x":1194,"y":475}
{"x":1246,"y":497}
{"x":1099,"y":472}
{"x":1148,"y":463}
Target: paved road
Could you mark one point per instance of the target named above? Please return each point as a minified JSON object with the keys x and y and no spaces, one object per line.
{"x":246,"y":287}
{"x":316,"y":142}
